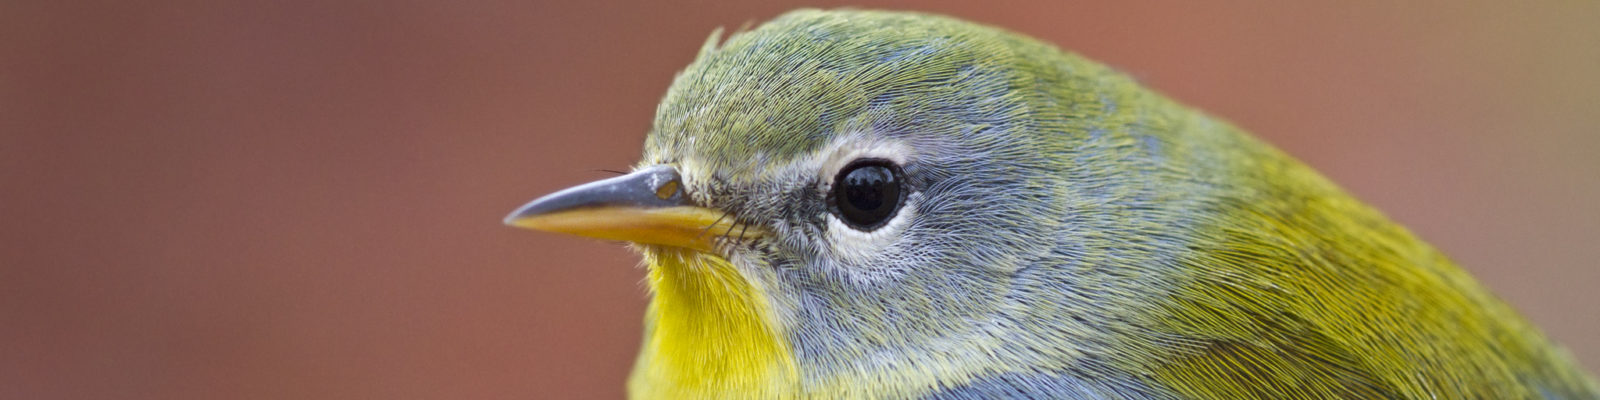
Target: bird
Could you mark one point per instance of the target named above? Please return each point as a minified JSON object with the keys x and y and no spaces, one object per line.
{"x":882,"y":205}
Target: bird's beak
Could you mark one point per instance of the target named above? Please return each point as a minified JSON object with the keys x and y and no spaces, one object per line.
{"x":648,"y":206}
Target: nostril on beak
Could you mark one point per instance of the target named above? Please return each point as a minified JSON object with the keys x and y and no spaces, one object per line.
{"x":667,"y":190}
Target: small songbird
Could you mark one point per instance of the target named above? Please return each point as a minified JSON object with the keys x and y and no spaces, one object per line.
{"x":863,"y":204}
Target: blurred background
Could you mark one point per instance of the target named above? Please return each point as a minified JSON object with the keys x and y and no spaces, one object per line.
{"x":302,"y":199}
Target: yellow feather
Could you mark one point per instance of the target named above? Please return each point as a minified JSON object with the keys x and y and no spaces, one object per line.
{"x":710,"y":333}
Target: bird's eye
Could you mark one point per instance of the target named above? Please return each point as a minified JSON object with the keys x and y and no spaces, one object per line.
{"x":867,"y":193}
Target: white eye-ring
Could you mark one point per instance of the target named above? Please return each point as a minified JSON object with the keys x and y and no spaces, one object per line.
{"x":870,"y":200}
{"x":852,"y":245}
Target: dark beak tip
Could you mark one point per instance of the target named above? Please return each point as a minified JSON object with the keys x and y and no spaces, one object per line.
{"x":637,"y":189}
{"x":532,"y":208}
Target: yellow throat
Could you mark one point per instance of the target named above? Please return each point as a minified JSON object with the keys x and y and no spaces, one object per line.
{"x":708,"y":333}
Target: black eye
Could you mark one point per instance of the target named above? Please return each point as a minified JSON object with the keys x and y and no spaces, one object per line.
{"x":867,"y":193}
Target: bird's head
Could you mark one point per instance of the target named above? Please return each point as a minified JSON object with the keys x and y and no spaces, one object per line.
{"x":876,"y":186}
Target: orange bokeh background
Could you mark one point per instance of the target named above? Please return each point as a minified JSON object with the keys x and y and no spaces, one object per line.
{"x":301,"y":199}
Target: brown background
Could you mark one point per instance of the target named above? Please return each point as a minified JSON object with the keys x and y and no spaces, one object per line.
{"x":301,"y":199}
